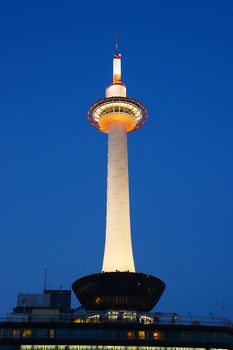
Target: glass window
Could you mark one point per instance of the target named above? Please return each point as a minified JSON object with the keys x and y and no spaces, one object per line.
{"x":16,"y":333}
{"x":131,"y":334}
{"x":25,"y":347}
{"x":157,"y":335}
{"x":52,"y":333}
{"x":27,"y":332}
{"x":141,"y":334}
{"x":38,"y":347}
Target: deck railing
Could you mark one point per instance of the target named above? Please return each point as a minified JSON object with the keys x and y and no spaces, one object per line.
{"x":82,"y":316}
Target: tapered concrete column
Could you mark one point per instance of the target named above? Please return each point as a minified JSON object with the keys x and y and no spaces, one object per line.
{"x":118,"y":254}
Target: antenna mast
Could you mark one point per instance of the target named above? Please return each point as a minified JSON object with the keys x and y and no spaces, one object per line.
{"x":45,"y":278}
{"x":116,"y":42}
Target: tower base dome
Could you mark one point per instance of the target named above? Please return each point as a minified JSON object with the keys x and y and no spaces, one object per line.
{"x":118,"y":291}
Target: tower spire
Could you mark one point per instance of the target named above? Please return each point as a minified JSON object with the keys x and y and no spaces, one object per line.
{"x":116,"y":43}
{"x":117,"y":65}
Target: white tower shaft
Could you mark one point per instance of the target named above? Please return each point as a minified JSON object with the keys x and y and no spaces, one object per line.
{"x":118,"y":254}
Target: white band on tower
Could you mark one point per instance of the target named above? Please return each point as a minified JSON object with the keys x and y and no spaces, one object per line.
{"x":118,"y":254}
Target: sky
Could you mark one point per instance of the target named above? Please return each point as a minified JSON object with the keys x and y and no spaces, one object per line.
{"x":55,"y":62}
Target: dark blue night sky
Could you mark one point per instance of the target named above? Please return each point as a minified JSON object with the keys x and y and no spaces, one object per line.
{"x":55,"y":61}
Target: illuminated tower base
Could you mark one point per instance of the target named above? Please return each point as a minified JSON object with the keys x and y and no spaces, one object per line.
{"x":118,"y":287}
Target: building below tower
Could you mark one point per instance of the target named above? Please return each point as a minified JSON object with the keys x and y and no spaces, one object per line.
{"x":47,"y":322}
{"x":41,"y":306}
{"x":115,"y":330}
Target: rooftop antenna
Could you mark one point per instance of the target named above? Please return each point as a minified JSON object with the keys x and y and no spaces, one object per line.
{"x":116,"y":42}
{"x":45,"y":278}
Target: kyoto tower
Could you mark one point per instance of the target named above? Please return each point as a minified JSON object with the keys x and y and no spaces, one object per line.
{"x":118,"y":286}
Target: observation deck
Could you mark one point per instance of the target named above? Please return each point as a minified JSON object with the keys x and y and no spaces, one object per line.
{"x":117,"y":109}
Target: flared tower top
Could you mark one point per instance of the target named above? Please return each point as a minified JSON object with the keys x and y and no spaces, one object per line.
{"x":116,"y":106}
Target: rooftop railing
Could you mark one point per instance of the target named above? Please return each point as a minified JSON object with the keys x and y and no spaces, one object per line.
{"x":120,"y":317}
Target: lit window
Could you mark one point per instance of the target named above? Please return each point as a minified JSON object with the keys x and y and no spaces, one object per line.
{"x":15,"y":333}
{"x":113,"y":315}
{"x":146,"y":319}
{"x":26,"y":347}
{"x":141,"y":334}
{"x":157,"y":335}
{"x":78,"y":320}
{"x":94,"y":318}
{"x":97,"y":300}
{"x":38,"y":347}
{"x":131,"y":334}
{"x":73,"y":347}
{"x":52,"y":333}
{"x":27,"y":332}
{"x":131,"y":316}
